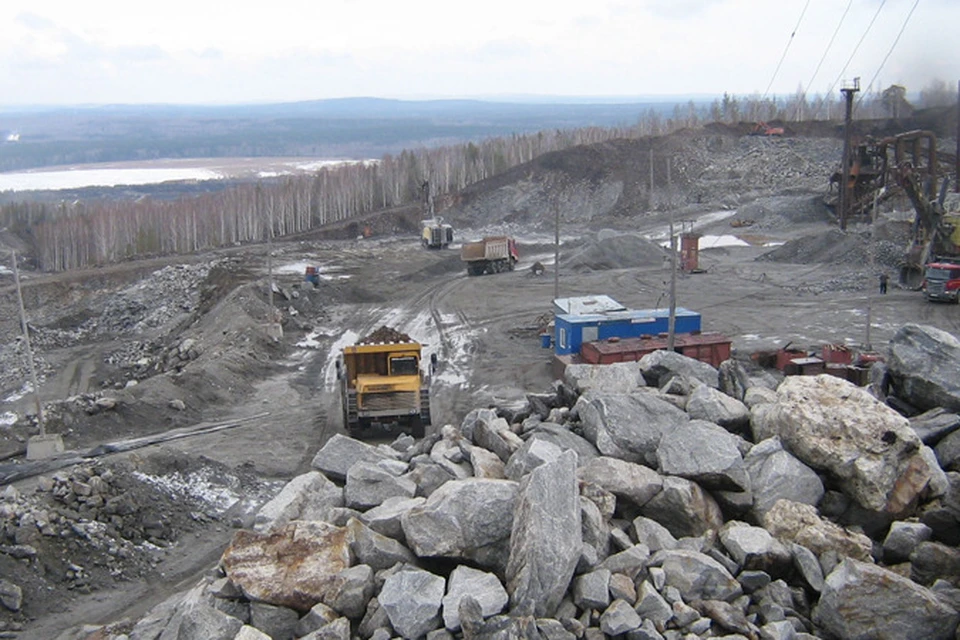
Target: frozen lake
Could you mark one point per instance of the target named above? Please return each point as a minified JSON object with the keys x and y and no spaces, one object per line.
{"x":157,"y":171}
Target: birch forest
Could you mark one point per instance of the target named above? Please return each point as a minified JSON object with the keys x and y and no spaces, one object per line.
{"x":72,"y":235}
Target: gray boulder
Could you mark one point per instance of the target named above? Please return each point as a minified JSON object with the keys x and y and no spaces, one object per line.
{"x":696,"y":576}
{"x":529,"y":456}
{"x":476,"y":417}
{"x":903,"y":539}
{"x":545,"y":543}
{"x":707,"y":403}
{"x":658,"y":366}
{"x":274,"y":621}
{"x":933,"y":425}
{"x":619,"y":618}
{"x":306,"y":497}
{"x":369,"y":484}
{"x":776,"y":474}
{"x":733,"y":379}
{"x":497,"y":437}
{"x":862,"y":600}
{"x":684,"y":508}
{"x":628,"y":427}
{"x":565,"y":439}
{"x":412,"y":600}
{"x":484,"y":587}
{"x":632,"y":482}
{"x":468,"y":519}
{"x":592,"y":590}
{"x":378,"y":551}
{"x":203,"y":622}
{"x":340,"y":453}
{"x":755,"y":549}
{"x":618,"y":377}
{"x":652,"y":534}
{"x":923,"y":367}
{"x":386,"y":517}
{"x":703,"y":452}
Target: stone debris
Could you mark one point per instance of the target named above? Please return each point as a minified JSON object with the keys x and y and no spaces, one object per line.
{"x":620,"y":514}
{"x":610,"y":542}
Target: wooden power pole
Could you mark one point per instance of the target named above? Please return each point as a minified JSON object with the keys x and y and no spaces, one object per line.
{"x":846,"y":193}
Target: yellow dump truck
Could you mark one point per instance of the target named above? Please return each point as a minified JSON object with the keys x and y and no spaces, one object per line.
{"x":383,"y":388}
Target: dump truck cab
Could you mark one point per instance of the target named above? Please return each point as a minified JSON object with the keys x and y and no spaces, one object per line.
{"x":383,"y":388}
{"x":941,"y":281}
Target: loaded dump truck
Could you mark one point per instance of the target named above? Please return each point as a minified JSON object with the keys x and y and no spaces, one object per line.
{"x":490,"y":255}
{"x":382,"y":386}
{"x":435,"y":233}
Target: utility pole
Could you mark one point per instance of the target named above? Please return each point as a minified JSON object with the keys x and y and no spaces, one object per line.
{"x":956,"y":175}
{"x":672,"y":318}
{"x":274,"y":328}
{"x":26,"y":342}
{"x":868,"y":345}
{"x":848,"y":92}
{"x":651,"y":177}
{"x":556,"y":251}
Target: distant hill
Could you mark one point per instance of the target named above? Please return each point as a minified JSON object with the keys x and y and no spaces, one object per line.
{"x":349,"y":128}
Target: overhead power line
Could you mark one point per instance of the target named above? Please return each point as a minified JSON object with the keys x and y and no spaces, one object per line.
{"x":785,"y":49}
{"x":829,"y":46}
{"x":892,"y":47}
{"x":856,"y":48}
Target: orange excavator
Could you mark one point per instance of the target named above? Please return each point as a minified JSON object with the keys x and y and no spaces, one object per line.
{"x":763,"y":129}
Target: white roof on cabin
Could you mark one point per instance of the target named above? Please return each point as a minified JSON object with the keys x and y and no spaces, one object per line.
{"x":583,"y":305}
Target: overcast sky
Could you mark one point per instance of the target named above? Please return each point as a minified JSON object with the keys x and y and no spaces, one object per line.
{"x":203,"y":51}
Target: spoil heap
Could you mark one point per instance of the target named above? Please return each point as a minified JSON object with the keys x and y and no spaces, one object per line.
{"x":660,"y":499}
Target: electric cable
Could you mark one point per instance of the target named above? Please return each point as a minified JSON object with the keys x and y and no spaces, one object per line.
{"x":803,"y":96}
{"x":785,"y":49}
{"x":887,"y":57}
{"x":856,"y":48}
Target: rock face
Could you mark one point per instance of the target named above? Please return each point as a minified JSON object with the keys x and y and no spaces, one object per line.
{"x":923,"y":367}
{"x":835,"y":426}
{"x":545,"y":541}
{"x":861,"y":600}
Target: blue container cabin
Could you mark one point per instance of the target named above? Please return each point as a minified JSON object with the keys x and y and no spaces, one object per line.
{"x":571,"y":331}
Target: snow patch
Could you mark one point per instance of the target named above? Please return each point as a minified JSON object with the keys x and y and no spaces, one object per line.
{"x":8,"y":418}
{"x":195,"y":485}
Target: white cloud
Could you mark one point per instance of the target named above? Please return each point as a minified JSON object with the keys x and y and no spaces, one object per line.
{"x":59,"y":51}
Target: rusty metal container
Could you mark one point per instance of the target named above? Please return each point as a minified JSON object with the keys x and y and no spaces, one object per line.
{"x":689,"y":252}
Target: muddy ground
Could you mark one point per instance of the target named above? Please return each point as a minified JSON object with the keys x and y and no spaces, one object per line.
{"x":137,"y":350}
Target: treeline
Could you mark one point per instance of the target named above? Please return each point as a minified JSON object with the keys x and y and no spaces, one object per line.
{"x":80,"y":234}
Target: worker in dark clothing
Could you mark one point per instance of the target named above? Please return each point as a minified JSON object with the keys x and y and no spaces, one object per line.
{"x":883,"y":283}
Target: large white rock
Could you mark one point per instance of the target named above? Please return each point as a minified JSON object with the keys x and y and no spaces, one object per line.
{"x":833,"y":425}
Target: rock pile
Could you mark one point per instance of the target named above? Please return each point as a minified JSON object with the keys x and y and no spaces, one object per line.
{"x":89,"y":527}
{"x":661,"y":499}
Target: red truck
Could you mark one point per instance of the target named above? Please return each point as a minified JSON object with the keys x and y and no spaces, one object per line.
{"x":493,"y":254}
{"x":941,"y":281}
